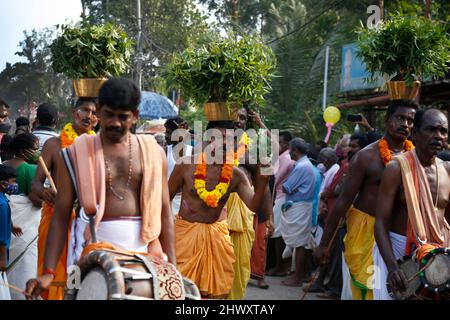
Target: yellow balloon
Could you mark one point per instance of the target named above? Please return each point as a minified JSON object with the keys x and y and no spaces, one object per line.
{"x":332,"y":115}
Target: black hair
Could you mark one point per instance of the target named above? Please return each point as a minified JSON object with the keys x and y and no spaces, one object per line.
{"x":22,"y":122}
{"x":226,"y":124}
{"x":287,"y":136}
{"x":82,"y":101}
{"x":47,"y":114}
{"x":362,"y":138}
{"x":5,"y":153}
{"x":22,"y":142}
{"x":395,"y":104}
{"x":3,"y":103}
{"x":7,"y":172}
{"x":173,"y":123}
{"x":322,"y":144}
{"x":418,"y":119}
{"x":300,"y":145}
{"x":313,"y":154}
{"x":120,"y":93}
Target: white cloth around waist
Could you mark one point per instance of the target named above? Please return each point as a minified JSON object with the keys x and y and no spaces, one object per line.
{"x":296,"y":226}
{"x":125,"y":234}
{"x":277,"y":216}
{"x":380,"y":291}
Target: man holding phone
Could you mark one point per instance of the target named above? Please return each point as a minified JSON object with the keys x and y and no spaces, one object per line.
{"x":359,"y":195}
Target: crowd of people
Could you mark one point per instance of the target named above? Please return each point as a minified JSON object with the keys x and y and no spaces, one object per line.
{"x":333,"y":219}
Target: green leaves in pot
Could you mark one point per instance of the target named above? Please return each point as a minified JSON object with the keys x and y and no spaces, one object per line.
{"x":233,"y":69}
{"x":407,"y":47}
{"x":91,"y":51}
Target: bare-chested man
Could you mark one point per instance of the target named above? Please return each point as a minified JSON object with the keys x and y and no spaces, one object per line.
{"x":394,"y":212}
{"x":204,"y":250}
{"x":84,"y":116}
{"x":130,"y":184}
{"x":359,"y":197}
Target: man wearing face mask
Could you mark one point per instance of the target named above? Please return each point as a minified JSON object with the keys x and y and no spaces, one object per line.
{"x":25,"y":148}
{"x":84,"y":116}
{"x":359,"y":197}
{"x":8,"y":185}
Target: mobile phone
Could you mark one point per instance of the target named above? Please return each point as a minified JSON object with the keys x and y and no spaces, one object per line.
{"x":354,"y":117}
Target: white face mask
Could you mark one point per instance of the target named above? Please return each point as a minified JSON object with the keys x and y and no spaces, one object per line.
{"x":321,"y":168}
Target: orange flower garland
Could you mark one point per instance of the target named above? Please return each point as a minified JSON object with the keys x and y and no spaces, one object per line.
{"x":212,"y":198}
{"x":242,"y":148}
{"x":68,"y":135}
{"x":386,"y":153}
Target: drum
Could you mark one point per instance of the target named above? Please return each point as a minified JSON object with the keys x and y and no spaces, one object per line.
{"x":114,"y":275}
{"x":411,"y":269}
{"x":435,"y":272}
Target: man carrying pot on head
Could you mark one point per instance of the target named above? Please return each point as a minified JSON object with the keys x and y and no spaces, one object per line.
{"x":412,"y":210}
{"x":84,"y":116}
{"x":130,"y":186}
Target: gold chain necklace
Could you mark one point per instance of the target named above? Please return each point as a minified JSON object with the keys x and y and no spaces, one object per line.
{"x":130,"y":172}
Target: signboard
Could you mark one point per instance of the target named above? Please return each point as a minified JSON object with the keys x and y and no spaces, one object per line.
{"x":354,"y":75}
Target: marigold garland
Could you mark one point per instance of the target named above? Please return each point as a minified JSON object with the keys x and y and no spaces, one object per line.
{"x":212,"y":198}
{"x":68,"y":135}
{"x":386,"y":154}
{"x":242,"y":148}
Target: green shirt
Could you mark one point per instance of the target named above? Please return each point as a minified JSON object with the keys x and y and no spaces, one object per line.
{"x":25,"y":176}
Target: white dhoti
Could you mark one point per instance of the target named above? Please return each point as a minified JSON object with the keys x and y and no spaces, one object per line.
{"x":277,"y":217}
{"x":124,"y":234}
{"x":381,"y":273}
{"x":176,"y":204}
{"x":296,"y":226}
{"x":346,"y":293}
{"x":76,"y":245}
{"x":23,"y":250}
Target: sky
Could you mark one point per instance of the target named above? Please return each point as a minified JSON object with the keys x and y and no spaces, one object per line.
{"x":19,"y":15}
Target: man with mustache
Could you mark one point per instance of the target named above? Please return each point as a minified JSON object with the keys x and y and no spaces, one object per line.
{"x":119,"y":177}
{"x":359,"y":197}
{"x":204,"y":249}
{"x":84,"y":120}
{"x":418,"y":174}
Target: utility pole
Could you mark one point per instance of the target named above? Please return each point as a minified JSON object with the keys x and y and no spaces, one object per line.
{"x":427,"y":9}
{"x":325,"y":79}
{"x":381,"y":5}
{"x":139,"y":48}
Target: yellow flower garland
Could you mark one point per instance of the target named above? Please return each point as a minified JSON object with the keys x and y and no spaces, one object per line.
{"x":68,"y":135}
{"x":212,"y":198}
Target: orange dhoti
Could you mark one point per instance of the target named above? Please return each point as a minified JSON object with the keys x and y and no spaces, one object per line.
{"x":55,"y":292}
{"x":205,"y":255}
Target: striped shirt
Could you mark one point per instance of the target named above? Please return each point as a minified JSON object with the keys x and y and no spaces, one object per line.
{"x":43,"y":134}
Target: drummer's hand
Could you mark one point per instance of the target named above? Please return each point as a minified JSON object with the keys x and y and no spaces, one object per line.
{"x":36,"y":286}
{"x":49,"y":196}
{"x":398,"y":280}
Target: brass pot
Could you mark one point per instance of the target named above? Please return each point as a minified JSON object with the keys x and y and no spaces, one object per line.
{"x":87,"y":87}
{"x":221,"y":111}
{"x":398,"y":90}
